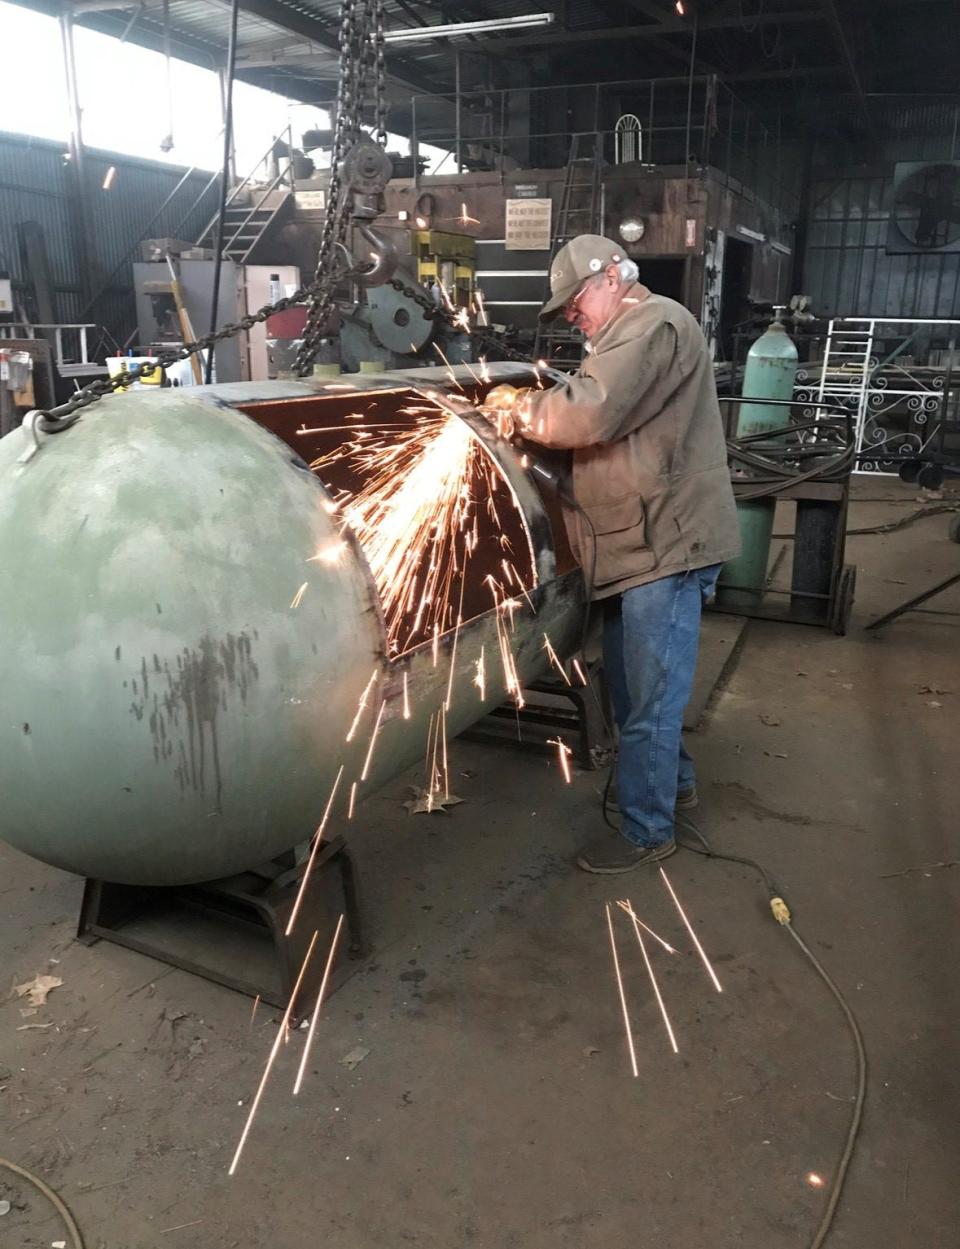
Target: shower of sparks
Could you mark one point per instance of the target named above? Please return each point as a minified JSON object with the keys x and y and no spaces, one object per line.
{"x":316,"y":1010}
{"x":620,"y":990}
{"x":555,"y":659}
{"x":815,"y":1181}
{"x":373,"y":741}
{"x":253,"y":1013}
{"x":505,"y":608}
{"x":298,"y":597}
{"x":653,"y":982}
{"x":480,"y":680}
{"x":353,"y":800}
{"x":453,"y":376}
{"x":437,"y":766}
{"x":484,"y":371}
{"x":693,"y":936}
{"x":331,"y":554}
{"x":453,"y":648}
{"x":317,"y":838}
{"x":406,"y":696}
{"x":578,"y":669}
{"x":361,"y":706}
{"x":446,"y":766}
{"x":430,"y":758}
{"x":274,"y":1050}
{"x":416,"y":513}
{"x":465,"y":219}
{"x":628,"y":909}
{"x":563,"y":753}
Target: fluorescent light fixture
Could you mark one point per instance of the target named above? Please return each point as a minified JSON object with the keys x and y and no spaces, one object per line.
{"x":417,"y":34}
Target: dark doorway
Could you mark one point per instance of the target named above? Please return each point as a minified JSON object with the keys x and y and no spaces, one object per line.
{"x":734,"y":291}
{"x":664,"y":275}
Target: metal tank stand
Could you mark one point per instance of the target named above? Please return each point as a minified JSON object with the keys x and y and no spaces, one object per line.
{"x":553,"y":706}
{"x":231,"y":931}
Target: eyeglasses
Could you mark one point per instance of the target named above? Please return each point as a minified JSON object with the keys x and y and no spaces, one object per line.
{"x":570,"y":307}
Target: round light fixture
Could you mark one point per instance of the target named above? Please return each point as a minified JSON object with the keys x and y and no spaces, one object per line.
{"x":632,"y":230}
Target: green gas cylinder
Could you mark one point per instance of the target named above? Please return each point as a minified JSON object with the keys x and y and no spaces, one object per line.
{"x":770,"y":374}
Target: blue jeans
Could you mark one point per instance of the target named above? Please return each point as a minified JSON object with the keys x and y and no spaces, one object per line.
{"x":650,"y":639}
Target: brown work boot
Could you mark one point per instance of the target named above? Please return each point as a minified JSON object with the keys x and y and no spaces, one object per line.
{"x":610,"y":854}
{"x":687,"y":799}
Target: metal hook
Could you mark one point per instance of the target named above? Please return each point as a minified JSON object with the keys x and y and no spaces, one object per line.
{"x":383,"y":256}
{"x":29,"y":424}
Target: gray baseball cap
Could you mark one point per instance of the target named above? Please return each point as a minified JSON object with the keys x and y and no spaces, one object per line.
{"x":583,"y":257}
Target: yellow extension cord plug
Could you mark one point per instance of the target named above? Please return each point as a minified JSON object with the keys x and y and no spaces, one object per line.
{"x":781,"y":912}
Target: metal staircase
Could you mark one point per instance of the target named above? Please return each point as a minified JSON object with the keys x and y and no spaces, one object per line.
{"x":579,"y":213}
{"x":253,"y":208}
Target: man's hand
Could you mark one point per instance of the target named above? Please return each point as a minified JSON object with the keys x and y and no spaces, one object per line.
{"x":502,"y":407}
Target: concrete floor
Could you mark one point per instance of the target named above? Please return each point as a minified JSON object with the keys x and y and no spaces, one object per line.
{"x":496,"y":1107}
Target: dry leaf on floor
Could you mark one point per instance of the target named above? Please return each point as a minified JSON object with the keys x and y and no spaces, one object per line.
{"x":770,"y":720}
{"x":354,"y":1058}
{"x":931,"y":689}
{"x":27,"y":1027}
{"x":37,"y":989}
{"x":422,"y":802}
{"x":933,"y":703}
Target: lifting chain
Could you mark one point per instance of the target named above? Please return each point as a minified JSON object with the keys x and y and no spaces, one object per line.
{"x":419,"y":296}
{"x":361,"y":57}
{"x":361,"y":51}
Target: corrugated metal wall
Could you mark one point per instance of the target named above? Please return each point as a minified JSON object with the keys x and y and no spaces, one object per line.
{"x":34,"y":187}
{"x":847,"y":269}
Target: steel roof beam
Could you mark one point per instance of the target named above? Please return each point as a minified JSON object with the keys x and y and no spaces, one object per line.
{"x":835,"y":22}
{"x":620,"y":33}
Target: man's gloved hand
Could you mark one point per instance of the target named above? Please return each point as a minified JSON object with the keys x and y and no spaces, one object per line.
{"x":502,"y":407}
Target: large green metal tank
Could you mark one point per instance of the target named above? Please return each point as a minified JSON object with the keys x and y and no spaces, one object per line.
{"x":168,"y":715}
{"x":770,"y":373}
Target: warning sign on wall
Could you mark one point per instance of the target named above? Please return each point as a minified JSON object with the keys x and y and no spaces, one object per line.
{"x":527,"y":225}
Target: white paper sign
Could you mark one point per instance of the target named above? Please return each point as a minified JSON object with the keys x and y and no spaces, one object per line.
{"x":527,"y":225}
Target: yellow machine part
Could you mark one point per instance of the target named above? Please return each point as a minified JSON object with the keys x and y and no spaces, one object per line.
{"x":447,"y":258}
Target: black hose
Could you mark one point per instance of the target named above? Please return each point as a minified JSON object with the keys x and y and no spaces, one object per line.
{"x":782,"y":914}
{"x":224,"y":180}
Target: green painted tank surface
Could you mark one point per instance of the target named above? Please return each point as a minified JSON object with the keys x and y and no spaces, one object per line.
{"x":168,"y":715}
{"x":770,"y":373}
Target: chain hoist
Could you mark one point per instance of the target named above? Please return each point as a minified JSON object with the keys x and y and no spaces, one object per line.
{"x":360,"y":169}
{"x":359,"y":172}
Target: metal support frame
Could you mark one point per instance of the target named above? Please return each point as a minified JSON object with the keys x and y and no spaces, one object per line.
{"x":233,"y":931}
{"x":582,"y":711}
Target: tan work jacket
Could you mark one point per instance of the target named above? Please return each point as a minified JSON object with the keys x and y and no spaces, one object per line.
{"x":649,"y":457}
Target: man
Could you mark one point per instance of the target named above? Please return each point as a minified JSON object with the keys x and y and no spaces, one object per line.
{"x":655,"y":518}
